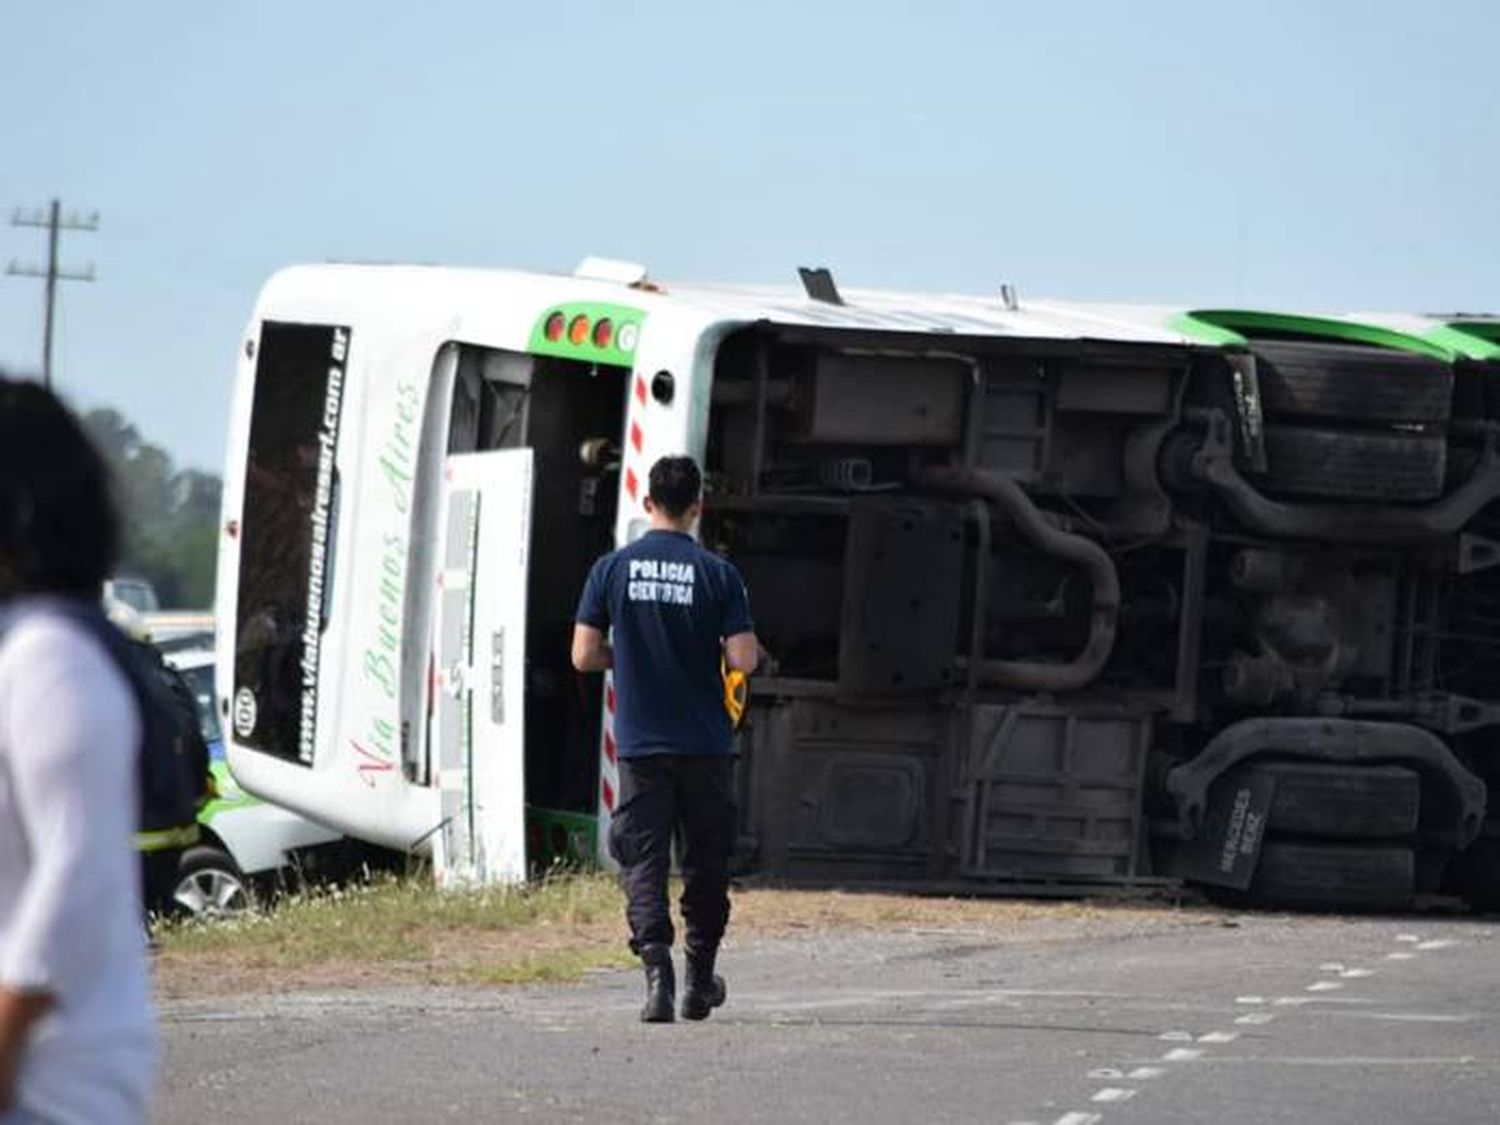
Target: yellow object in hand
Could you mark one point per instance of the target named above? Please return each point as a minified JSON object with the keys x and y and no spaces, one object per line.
{"x":736,"y":693}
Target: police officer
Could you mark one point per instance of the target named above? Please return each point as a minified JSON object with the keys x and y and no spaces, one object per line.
{"x":676,"y":611}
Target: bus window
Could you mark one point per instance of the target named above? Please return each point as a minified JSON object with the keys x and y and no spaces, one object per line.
{"x":490,"y":392}
{"x":286,"y":536}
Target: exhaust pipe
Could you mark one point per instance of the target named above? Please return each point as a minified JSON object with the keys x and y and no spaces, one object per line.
{"x":1032,"y":675}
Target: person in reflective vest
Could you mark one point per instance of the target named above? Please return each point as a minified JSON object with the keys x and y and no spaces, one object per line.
{"x":161,"y":846}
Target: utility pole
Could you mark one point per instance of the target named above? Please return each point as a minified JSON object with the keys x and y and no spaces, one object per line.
{"x":52,"y":219}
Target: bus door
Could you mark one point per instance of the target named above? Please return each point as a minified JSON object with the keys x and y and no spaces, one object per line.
{"x":478,"y":715}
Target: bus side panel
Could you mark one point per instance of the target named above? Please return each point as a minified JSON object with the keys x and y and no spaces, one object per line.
{"x":666,"y":413}
{"x":338,"y":758}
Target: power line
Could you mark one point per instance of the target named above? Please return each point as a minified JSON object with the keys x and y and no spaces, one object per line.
{"x":52,"y":219}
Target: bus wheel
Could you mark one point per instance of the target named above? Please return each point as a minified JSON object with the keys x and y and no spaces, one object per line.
{"x":1477,"y":873}
{"x":1340,"y":802}
{"x":1333,"y":381}
{"x":211,"y":885}
{"x":1304,"y":875}
{"x":1355,"y":464}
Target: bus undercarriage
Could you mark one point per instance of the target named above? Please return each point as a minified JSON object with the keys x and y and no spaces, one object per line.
{"x":1052,"y":614}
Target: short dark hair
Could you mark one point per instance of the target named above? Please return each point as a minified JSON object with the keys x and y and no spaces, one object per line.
{"x":676,"y":485}
{"x":59,"y":532}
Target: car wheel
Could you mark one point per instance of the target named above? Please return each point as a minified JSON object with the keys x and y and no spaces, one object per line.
{"x":211,"y":885}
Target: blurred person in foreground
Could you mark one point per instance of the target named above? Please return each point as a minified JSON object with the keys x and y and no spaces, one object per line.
{"x":77,"y":1041}
{"x":679,"y":614}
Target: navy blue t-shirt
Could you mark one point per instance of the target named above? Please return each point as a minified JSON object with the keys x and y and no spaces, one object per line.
{"x":671,"y":603}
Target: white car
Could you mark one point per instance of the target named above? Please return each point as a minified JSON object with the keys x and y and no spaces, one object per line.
{"x":245,"y":842}
{"x":137,"y":593}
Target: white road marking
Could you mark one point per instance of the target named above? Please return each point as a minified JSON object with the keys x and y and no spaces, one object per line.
{"x":1117,"y":1094}
{"x":1183,"y":1054}
{"x":1333,"y":998}
{"x":855,"y":998}
{"x":1352,"y":1060}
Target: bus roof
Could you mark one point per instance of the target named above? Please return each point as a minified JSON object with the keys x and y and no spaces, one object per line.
{"x":443,"y":292}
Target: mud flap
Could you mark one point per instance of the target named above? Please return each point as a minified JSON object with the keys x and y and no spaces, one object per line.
{"x":1226,"y":850}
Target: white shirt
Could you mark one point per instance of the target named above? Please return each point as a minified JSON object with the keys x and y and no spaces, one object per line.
{"x":70,"y":913}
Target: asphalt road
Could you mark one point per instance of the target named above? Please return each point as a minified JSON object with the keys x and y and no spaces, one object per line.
{"x":1261,"y":1019}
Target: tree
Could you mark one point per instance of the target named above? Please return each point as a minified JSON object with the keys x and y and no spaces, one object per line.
{"x":170,"y":517}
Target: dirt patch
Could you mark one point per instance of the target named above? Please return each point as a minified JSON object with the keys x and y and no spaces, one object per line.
{"x":769,"y":912}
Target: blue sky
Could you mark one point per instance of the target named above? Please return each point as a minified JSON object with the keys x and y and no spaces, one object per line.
{"x":1316,"y":154}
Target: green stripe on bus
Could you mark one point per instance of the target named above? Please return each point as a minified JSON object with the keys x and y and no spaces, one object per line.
{"x":1474,"y":339}
{"x":1206,"y":333}
{"x":1247,"y":323}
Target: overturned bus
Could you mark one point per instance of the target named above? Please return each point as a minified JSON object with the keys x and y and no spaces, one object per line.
{"x":1057,"y":595}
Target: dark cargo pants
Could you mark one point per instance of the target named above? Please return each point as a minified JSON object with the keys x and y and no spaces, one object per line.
{"x":689,"y":797}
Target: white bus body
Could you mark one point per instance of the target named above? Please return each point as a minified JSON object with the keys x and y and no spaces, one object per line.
{"x":1006,"y":555}
{"x":342,"y":424}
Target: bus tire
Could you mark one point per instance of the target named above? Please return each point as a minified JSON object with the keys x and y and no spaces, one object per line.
{"x":1354,"y":465}
{"x":1336,"y":381}
{"x":1340,"y":802}
{"x":1307,"y":875}
{"x":1478,"y":874}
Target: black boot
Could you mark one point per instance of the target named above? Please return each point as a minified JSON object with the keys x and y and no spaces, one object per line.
{"x":661,"y":984}
{"x":705,"y":990}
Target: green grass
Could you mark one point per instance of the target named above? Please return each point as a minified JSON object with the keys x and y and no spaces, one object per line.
{"x":555,"y":929}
